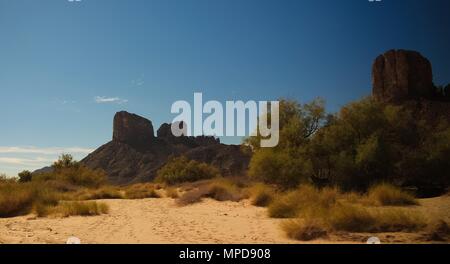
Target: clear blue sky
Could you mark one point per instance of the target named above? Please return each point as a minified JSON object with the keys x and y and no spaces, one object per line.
{"x":57,"y":57}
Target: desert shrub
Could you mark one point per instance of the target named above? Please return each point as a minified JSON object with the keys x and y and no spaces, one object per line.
{"x":42,"y":210}
{"x":83,"y":176}
{"x":224,"y":190}
{"x":18,"y":199}
{"x":103,"y":193}
{"x":72,"y":172}
{"x":219,"y":189}
{"x":386,"y":194}
{"x":305,"y":198}
{"x":6,"y":179}
{"x":15,"y":199}
{"x":304,"y":230}
{"x":351,"y":218}
{"x":279,"y":167}
{"x":172,"y":192}
{"x":46,"y":199}
{"x":356,"y":218}
{"x":284,"y":207}
{"x":192,"y":196}
{"x":181,"y":169}
{"x":438,"y":231}
{"x":261,"y":195}
{"x":25,"y":176}
{"x":141,"y":191}
{"x":66,"y":209}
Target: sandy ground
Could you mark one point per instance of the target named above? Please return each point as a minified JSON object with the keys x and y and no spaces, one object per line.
{"x":152,"y":221}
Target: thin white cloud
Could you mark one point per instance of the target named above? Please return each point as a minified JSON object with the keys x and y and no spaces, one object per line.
{"x":45,"y":151}
{"x":17,"y":158}
{"x":113,"y":100}
{"x":28,"y":162}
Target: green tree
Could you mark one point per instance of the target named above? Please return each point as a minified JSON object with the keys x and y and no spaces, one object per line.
{"x":65,"y":161}
{"x":287,"y":164}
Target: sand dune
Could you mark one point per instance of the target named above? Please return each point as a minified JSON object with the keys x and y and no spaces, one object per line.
{"x":161,"y":221}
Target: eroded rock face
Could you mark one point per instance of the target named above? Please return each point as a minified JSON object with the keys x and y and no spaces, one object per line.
{"x":400,"y":75}
{"x":165,"y":130}
{"x":132,"y":129}
{"x":135,"y":154}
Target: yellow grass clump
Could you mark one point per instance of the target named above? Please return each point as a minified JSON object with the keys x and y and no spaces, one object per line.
{"x":261,"y":195}
{"x":386,"y":194}
{"x":67,"y":209}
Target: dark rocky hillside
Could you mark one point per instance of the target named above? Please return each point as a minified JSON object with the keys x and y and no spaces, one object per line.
{"x":135,"y":154}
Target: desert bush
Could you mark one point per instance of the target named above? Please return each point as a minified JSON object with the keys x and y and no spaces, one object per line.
{"x":16,"y":199}
{"x":351,"y":218}
{"x":304,"y":230}
{"x":286,"y":206}
{"x":279,"y":167}
{"x":103,"y":193}
{"x":358,"y":219}
{"x":181,"y":169}
{"x":172,"y":192}
{"x":261,"y":195}
{"x":224,"y":190}
{"x":70,"y":171}
{"x":438,"y":231}
{"x":141,"y":191}
{"x":191,"y":197}
{"x":25,"y":176}
{"x":305,"y":198}
{"x":219,"y":189}
{"x":387,"y":194}
{"x":6,"y":179}
{"x":66,"y":209}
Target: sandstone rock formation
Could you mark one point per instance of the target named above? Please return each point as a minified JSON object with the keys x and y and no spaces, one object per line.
{"x":165,"y":131}
{"x":406,"y":78}
{"x":135,"y":154}
{"x":132,"y":129}
{"x":399,"y":75}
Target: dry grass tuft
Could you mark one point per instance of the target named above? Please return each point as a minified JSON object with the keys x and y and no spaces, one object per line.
{"x":438,"y":231}
{"x":103,"y":193}
{"x":67,"y":209}
{"x":172,"y":192}
{"x":21,"y":198}
{"x":304,"y":230}
{"x":218,"y":189}
{"x":305,"y":198}
{"x":224,"y":190}
{"x":192,"y":196}
{"x":386,"y":194}
{"x":141,"y":191}
{"x":16,"y":199}
{"x":323,"y":210}
{"x":261,"y":195}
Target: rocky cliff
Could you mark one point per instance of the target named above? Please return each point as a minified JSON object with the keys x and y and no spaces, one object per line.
{"x":406,"y":78}
{"x":135,"y":154}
